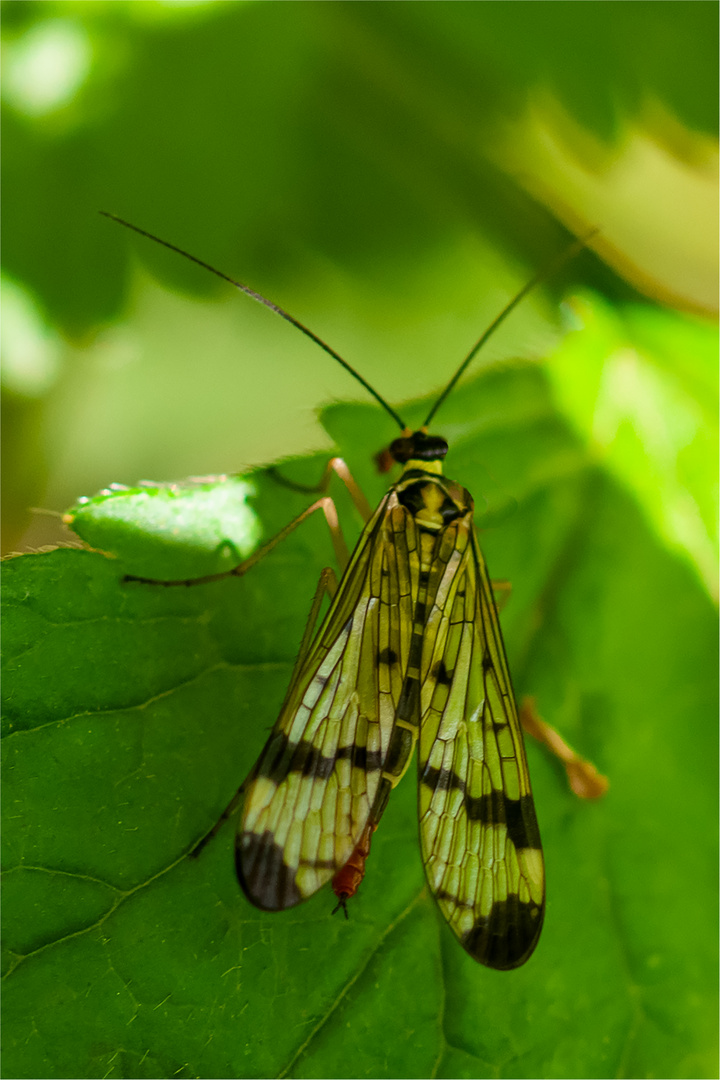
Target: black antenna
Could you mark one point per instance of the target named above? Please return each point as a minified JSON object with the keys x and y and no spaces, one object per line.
{"x":548,"y":271}
{"x":268,"y":303}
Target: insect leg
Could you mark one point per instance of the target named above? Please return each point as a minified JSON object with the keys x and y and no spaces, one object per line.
{"x":584,"y":779}
{"x":334,"y":465}
{"x":328,"y":583}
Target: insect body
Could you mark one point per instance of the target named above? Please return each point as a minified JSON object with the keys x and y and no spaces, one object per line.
{"x":410,"y":651}
{"x":349,"y":877}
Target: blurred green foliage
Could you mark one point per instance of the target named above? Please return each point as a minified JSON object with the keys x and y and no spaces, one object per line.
{"x":344,"y":158}
{"x":350,"y":161}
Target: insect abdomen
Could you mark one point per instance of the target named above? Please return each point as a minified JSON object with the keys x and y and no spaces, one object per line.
{"x":348,"y":879}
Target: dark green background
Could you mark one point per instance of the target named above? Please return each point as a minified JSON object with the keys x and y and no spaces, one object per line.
{"x":342,"y":158}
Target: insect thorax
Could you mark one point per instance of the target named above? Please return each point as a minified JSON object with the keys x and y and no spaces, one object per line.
{"x":433,"y":500}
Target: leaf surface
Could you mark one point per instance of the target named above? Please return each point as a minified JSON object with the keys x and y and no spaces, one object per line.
{"x":132,"y":714}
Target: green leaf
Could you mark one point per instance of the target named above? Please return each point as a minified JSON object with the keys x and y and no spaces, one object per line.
{"x":132,"y":713}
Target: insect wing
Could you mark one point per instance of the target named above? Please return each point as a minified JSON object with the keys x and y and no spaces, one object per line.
{"x":308,"y":799}
{"x":478,"y":831}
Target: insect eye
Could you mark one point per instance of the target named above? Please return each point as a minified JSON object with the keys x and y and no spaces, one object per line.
{"x":434,"y":448}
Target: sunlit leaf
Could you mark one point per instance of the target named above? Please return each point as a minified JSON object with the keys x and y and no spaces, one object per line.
{"x":132,"y":714}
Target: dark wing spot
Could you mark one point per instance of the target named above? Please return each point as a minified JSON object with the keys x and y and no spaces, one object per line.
{"x":409,"y":704}
{"x":507,"y":936}
{"x":441,"y":674}
{"x":441,"y":779}
{"x":282,"y":757}
{"x":275,"y":759}
{"x":309,"y":761}
{"x":488,"y":809}
{"x":387,"y":656}
{"x":518,"y":816}
{"x":265,"y":878}
{"x":360,"y":756}
{"x":522,"y":823}
{"x":400,"y":749}
{"x":415,"y":654}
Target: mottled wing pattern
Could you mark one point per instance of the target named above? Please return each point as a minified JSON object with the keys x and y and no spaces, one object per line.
{"x":309,"y":797}
{"x":478,"y":830}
